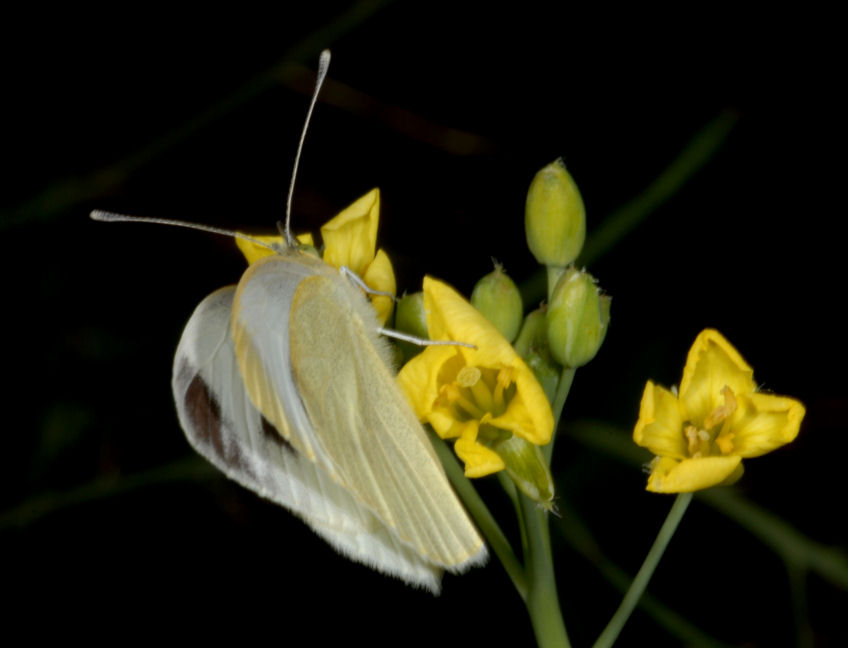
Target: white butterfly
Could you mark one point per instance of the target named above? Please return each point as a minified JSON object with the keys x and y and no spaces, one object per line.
{"x":284,"y":384}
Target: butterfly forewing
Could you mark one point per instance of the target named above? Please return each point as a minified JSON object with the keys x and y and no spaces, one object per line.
{"x":377,"y":446}
{"x":363,"y":432}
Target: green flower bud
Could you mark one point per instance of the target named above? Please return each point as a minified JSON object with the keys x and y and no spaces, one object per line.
{"x":554,"y":218}
{"x":527,"y":468}
{"x":578,"y":316}
{"x":532,"y":346}
{"x":410,"y":318}
{"x":496,"y":296}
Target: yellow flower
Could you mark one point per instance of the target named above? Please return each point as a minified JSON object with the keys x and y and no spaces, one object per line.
{"x":477,"y":396}
{"x":350,"y":240}
{"x":701,"y":433}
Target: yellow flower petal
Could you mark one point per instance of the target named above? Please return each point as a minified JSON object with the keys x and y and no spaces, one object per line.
{"x":701,"y":436}
{"x":350,"y":239}
{"x":379,"y":275}
{"x":764,"y":422}
{"x":451,"y":317}
{"x":483,"y":395}
{"x":660,"y":422}
{"x":479,"y":460}
{"x":419,"y":379}
{"x":711,"y":365}
{"x":253,"y":252}
{"x":672,"y":476}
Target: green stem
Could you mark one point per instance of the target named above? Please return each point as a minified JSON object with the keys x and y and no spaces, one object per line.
{"x":65,"y":194}
{"x":637,"y":587}
{"x":554,"y":273}
{"x":485,"y":521}
{"x":563,"y":387}
{"x":698,"y":151}
{"x":804,"y":635}
{"x":542,"y":600}
{"x":191,"y":469}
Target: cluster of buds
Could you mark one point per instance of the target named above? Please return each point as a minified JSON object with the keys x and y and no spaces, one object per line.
{"x":569,"y":331}
{"x":559,"y":337}
{"x":555,"y":222}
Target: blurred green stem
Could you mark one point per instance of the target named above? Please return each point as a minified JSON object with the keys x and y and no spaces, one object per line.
{"x":698,"y":151}
{"x":703,"y":146}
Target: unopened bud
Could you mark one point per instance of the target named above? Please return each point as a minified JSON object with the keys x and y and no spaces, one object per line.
{"x":496,"y":296}
{"x":410,"y":318}
{"x":527,"y":468}
{"x":578,"y":316}
{"x":554,"y":217}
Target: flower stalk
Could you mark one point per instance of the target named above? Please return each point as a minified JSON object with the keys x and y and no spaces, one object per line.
{"x":643,"y":576}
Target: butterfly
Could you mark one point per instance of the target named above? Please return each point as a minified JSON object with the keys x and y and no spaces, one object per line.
{"x":284,"y":383}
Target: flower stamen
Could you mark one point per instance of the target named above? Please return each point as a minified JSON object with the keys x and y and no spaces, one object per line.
{"x":470,"y":377}
{"x":504,"y":379}
{"x":453,"y":396}
{"x":701,"y":433}
{"x":483,"y":398}
{"x":691,"y":433}
{"x":722,"y":411}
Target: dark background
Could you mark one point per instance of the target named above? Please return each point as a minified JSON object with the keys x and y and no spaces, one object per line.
{"x":108,"y":523}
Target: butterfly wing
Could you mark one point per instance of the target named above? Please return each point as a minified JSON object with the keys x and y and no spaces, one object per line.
{"x":360,"y":430}
{"x":222,"y":424}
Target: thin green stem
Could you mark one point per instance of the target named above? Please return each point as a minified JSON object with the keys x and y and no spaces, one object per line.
{"x":67,"y":193}
{"x":776,"y":533}
{"x":577,"y":534}
{"x":563,"y":387}
{"x":637,"y":587}
{"x":793,"y":546}
{"x":804,"y":636}
{"x":554,"y":273}
{"x":698,"y":151}
{"x":482,"y":516}
{"x":542,"y":600}
{"x":190,"y":469}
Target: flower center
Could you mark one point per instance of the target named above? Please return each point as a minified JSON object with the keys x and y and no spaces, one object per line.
{"x":479,"y":393}
{"x":714,"y":436}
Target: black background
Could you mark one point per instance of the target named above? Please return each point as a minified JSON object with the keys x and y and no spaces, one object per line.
{"x":450,"y":111}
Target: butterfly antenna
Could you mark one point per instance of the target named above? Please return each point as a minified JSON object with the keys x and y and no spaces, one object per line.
{"x":112,"y":217}
{"x":323,"y":64}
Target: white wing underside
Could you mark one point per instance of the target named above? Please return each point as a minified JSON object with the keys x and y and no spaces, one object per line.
{"x":336,"y":400}
{"x":223,"y":425}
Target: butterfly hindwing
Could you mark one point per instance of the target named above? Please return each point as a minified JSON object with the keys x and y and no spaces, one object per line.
{"x":223,"y":425}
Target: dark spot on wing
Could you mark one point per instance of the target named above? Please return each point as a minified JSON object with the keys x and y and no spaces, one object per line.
{"x":209,"y":430}
{"x":205,"y":413}
{"x":273,"y":435}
